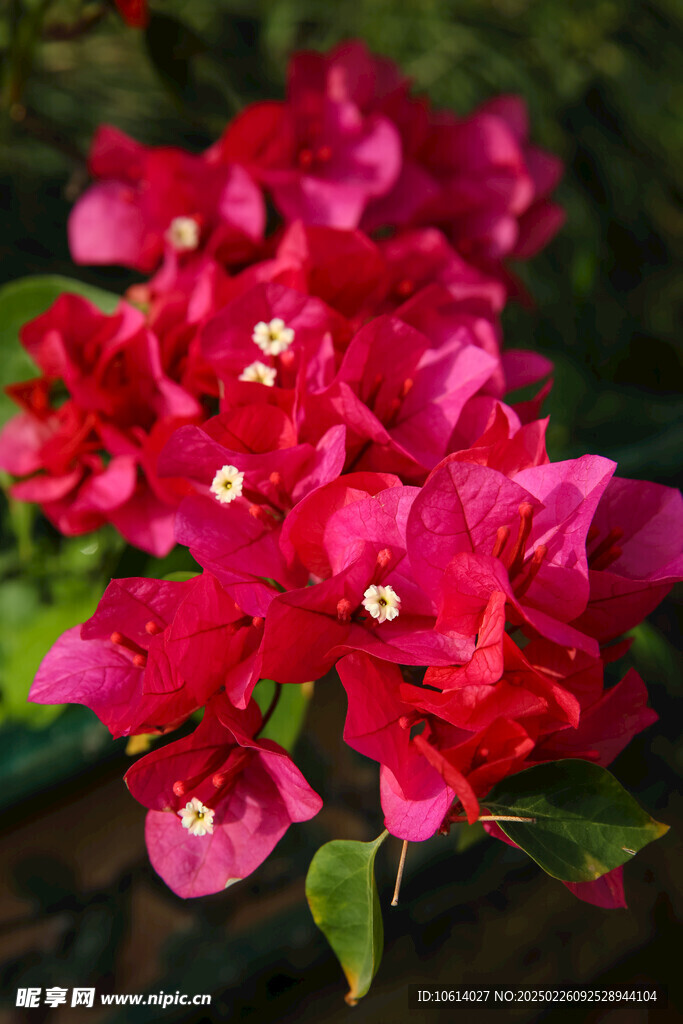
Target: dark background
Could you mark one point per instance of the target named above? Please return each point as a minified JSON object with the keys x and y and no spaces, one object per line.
{"x":80,"y":904}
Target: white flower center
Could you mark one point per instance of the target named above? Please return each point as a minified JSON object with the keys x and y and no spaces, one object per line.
{"x":183,"y":234}
{"x":381,"y":602}
{"x":259,"y":373}
{"x":196,"y":818}
{"x":227,"y":484}
{"x":274,"y":337}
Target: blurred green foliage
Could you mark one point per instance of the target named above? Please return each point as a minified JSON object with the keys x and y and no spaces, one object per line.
{"x":604,"y":88}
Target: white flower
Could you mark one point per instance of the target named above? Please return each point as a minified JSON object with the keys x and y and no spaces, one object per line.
{"x":183,"y":234}
{"x":259,"y":373}
{"x":196,"y":818}
{"x":227,"y":484}
{"x":273,"y":338}
{"x":382,"y":602}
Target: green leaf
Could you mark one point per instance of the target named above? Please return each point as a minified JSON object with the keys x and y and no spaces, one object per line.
{"x":586,"y":824}
{"x":21,"y":301}
{"x":180,"y":577}
{"x":342,"y":894}
{"x":288,"y":718}
{"x":24,"y":647}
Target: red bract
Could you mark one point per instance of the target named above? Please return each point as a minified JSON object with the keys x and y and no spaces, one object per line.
{"x":148,"y":199}
{"x":415,"y":798}
{"x":320,"y":157}
{"x":369,"y":602}
{"x":473,"y":531}
{"x":414,"y":802}
{"x":634,"y":555}
{"x":478,"y":176}
{"x":241,"y":794}
{"x":89,"y":458}
{"x":134,"y":12}
{"x":280,"y":328}
{"x":343,"y":268}
{"x":606,"y":726}
{"x":399,"y":396}
{"x":144,"y":661}
{"x":493,"y":185}
{"x":422,"y":257}
{"x":274,"y":479}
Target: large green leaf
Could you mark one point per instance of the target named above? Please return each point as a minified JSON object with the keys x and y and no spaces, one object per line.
{"x":21,"y":301}
{"x":342,"y":894}
{"x":585,"y":823}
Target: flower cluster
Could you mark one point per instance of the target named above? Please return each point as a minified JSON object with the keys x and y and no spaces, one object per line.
{"x":349,"y":156}
{"x":320,"y":417}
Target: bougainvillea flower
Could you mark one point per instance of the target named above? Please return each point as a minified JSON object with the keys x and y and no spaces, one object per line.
{"x":377,"y":86}
{"x":541,"y":221}
{"x":500,"y":537}
{"x":498,"y":681}
{"x":110,"y":365}
{"x":105,"y":663}
{"x":378,"y":724}
{"x":275,"y":478}
{"x":421,"y":257}
{"x":246,"y":790}
{"x":78,"y":491}
{"x":364,"y":545}
{"x":304,"y":529}
{"x":344,"y":268}
{"x":474,"y":763}
{"x":91,"y":454}
{"x":135,"y":663}
{"x":479,"y":176}
{"x":74,"y":341}
{"x":606,"y":726}
{"x":365,"y":495}
{"x":414,"y":796}
{"x":321,"y":159}
{"x":635,"y":555}
{"x":147,"y":198}
{"x":494,"y":186}
{"x":504,"y":444}
{"x":294,"y":326}
{"x":239,"y":548}
{"x":333,"y":616}
{"x":411,"y":395}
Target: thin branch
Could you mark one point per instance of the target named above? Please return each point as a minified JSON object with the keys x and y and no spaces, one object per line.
{"x":399,"y":876}
{"x":273,"y":704}
{"x":495,"y":817}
